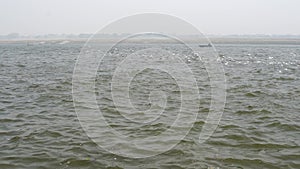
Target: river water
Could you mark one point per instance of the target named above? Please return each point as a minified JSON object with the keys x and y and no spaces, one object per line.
{"x":260,"y":126}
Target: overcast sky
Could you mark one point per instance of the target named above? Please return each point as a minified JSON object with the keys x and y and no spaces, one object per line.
{"x":34,"y":17}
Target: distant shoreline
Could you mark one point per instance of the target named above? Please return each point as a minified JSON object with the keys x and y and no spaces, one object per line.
{"x":214,"y":40}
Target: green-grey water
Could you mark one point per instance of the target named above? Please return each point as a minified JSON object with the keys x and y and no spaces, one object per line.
{"x":260,"y":127}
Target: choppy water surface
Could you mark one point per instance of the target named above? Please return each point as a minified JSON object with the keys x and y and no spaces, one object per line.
{"x":260,"y":127}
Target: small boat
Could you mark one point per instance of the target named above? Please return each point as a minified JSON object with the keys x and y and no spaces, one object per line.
{"x":208,"y":45}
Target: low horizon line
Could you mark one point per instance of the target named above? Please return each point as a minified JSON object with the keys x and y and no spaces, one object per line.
{"x":208,"y":34}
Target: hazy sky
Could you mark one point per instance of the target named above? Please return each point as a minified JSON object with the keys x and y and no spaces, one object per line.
{"x":32,"y":17}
